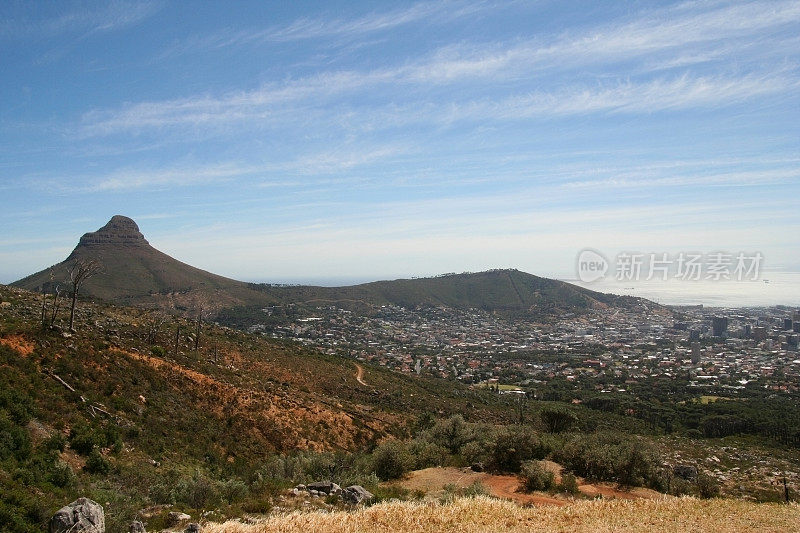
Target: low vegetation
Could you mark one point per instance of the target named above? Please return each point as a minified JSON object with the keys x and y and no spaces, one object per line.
{"x":480,"y":514}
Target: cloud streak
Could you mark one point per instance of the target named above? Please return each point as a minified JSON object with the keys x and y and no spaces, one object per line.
{"x":676,"y":38}
{"x":110,"y":16}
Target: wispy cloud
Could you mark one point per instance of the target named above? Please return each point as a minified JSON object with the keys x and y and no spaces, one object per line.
{"x":674,"y":38}
{"x":306,"y":28}
{"x":83,"y":18}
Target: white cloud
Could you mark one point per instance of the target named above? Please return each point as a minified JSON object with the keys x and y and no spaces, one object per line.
{"x":83,"y":18}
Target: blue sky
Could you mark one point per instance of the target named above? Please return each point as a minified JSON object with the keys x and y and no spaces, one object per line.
{"x":303,"y":141}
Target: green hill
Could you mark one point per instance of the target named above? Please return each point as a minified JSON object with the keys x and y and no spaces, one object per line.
{"x":503,"y":291}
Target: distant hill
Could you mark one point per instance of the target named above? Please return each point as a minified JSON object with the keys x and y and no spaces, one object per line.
{"x":503,"y":291}
{"x":137,"y":273}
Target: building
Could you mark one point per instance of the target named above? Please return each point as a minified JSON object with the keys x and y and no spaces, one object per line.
{"x":695,"y":353}
{"x":719,"y":325}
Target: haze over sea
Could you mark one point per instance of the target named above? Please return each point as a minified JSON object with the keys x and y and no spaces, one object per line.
{"x":773,"y":288}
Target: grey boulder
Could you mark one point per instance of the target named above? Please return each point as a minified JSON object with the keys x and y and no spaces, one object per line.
{"x":356,"y":494}
{"x":81,"y":516}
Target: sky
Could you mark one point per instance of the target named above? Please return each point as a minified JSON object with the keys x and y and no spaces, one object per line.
{"x":310,"y":141}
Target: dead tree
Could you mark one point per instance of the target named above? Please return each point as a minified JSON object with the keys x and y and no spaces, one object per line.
{"x":198,"y":327}
{"x":80,"y":271}
{"x":56,"y":304}
{"x":154,"y":321}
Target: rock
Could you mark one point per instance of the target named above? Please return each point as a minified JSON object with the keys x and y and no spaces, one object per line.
{"x":119,"y":230}
{"x":687,"y":472}
{"x":82,"y":515}
{"x":174,"y":518}
{"x":477,"y":467}
{"x":356,"y":494}
{"x":192,"y":528}
{"x":327,"y":487}
{"x":301,"y":487}
{"x":136,"y":527}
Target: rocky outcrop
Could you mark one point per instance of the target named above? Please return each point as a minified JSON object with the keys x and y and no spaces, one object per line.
{"x":81,"y":516}
{"x":174,"y":518}
{"x":324,"y":487}
{"x":356,"y":494}
{"x":118,"y":230}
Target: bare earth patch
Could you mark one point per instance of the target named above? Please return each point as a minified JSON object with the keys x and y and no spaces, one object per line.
{"x":18,"y":343}
{"x":432,"y":480}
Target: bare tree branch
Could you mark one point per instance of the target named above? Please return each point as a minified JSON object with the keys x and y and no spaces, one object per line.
{"x":80,"y":271}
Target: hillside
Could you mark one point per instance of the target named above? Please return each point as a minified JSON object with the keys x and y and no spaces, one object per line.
{"x":509,"y":292}
{"x":160,"y":413}
{"x":136,"y":410}
{"x":136,"y":273}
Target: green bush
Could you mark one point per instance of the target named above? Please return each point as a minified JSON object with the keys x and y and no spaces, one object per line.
{"x":613,"y":457}
{"x":97,"y":464}
{"x":426,"y":454}
{"x":14,"y":440}
{"x":515,"y":444}
{"x":707,"y":486}
{"x":61,"y":475}
{"x":452,"y":434}
{"x":477,"y":451}
{"x":557,"y":419}
{"x":569,"y":483}
{"x":391,"y":460}
{"x":535,"y":476}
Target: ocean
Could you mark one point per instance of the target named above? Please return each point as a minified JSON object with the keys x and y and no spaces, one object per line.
{"x":774,"y":288}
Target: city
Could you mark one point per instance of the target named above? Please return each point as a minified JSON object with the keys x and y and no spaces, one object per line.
{"x":710,"y":350}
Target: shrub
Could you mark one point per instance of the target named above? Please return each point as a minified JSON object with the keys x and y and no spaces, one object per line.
{"x":83,"y":439}
{"x":97,"y":464}
{"x":14,"y":440}
{"x":535,"y":476}
{"x":513,"y":445}
{"x":451,"y":434}
{"x":569,"y":483}
{"x":61,"y":475}
{"x":426,"y":454}
{"x":391,"y":460}
{"x":707,"y":486}
{"x":612,"y":457}
{"x":557,"y":419}
{"x":477,"y":451}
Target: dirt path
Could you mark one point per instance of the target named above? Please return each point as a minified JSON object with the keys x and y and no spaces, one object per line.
{"x":360,"y":374}
{"x":435,"y":479}
{"x":507,"y":487}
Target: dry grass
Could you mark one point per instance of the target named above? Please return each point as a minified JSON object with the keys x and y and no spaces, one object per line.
{"x":487,"y":514}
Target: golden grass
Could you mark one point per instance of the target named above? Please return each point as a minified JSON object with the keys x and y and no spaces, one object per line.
{"x":488,"y":514}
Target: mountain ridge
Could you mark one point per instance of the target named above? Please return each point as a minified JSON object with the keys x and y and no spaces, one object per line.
{"x":136,"y":273}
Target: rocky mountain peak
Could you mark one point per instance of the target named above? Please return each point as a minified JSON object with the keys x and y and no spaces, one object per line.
{"x":118,"y":230}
